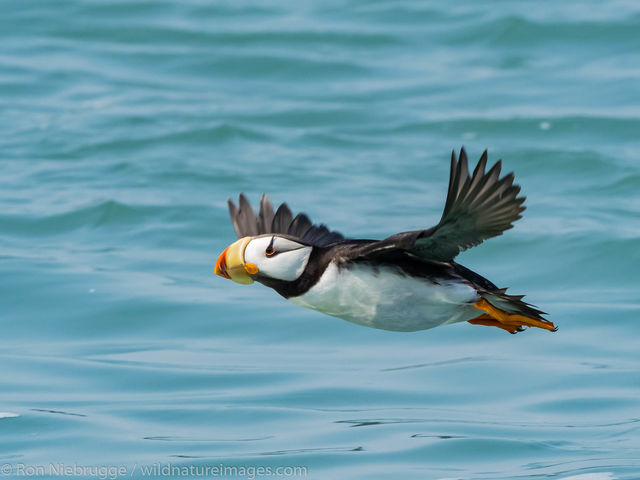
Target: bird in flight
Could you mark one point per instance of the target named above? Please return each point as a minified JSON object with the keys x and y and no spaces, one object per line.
{"x":406,"y":282}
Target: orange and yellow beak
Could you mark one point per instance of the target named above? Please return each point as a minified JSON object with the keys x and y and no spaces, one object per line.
{"x":231,"y":264}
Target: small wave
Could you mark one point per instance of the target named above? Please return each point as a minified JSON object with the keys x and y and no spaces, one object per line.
{"x":8,"y":415}
{"x":214,"y":135}
{"x":628,"y":185}
{"x":591,"y":476}
{"x":587,"y":121}
{"x":174,"y":438}
{"x":108,"y":213}
{"x":516,"y":30}
{"x":58,"y":412}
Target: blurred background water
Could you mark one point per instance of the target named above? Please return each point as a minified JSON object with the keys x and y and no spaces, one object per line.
{"x":126,"y":125}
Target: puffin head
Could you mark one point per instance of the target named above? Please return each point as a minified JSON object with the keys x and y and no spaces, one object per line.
{"x":264,"y":258}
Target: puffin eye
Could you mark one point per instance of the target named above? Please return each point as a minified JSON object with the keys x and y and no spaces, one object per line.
{"x":270,"y":251}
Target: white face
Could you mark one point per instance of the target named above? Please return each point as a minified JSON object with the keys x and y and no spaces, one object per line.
{"x":277,"y":257}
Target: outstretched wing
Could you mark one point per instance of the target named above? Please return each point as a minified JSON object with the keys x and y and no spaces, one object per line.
{"x":247,"y":223}
{"x":478,"y":207}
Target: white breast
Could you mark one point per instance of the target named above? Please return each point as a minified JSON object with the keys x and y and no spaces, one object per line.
{"x":383,"y":297}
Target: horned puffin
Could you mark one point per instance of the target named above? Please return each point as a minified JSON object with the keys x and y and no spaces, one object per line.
{"x":406,"y":282}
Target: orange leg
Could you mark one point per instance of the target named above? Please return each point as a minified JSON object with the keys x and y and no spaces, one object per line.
{"x":512,"y":319}
{"x":489,"y":321}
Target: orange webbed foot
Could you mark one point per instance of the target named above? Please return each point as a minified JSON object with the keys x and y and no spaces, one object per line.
{"x":511,"y":322}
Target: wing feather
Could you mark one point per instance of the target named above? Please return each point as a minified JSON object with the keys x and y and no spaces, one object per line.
{"x":300,"y":226}
{"x":243,"y":217}
{"x":247,"y":223}
{"x":478,"y":206}
{"x":265,"y":217}
{"x":282,"y":219}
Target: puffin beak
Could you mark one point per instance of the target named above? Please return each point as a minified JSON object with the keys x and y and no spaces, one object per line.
{"x":231,"y":264}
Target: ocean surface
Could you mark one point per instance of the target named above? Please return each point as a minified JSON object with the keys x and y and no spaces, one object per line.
{"x":126,"y":125}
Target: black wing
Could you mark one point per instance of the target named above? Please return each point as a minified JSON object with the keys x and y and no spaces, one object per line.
{"x":247,"y":223}
{"x":478,"y":207}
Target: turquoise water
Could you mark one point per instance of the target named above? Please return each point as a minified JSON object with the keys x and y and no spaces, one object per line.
{"x":124,"y":128}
